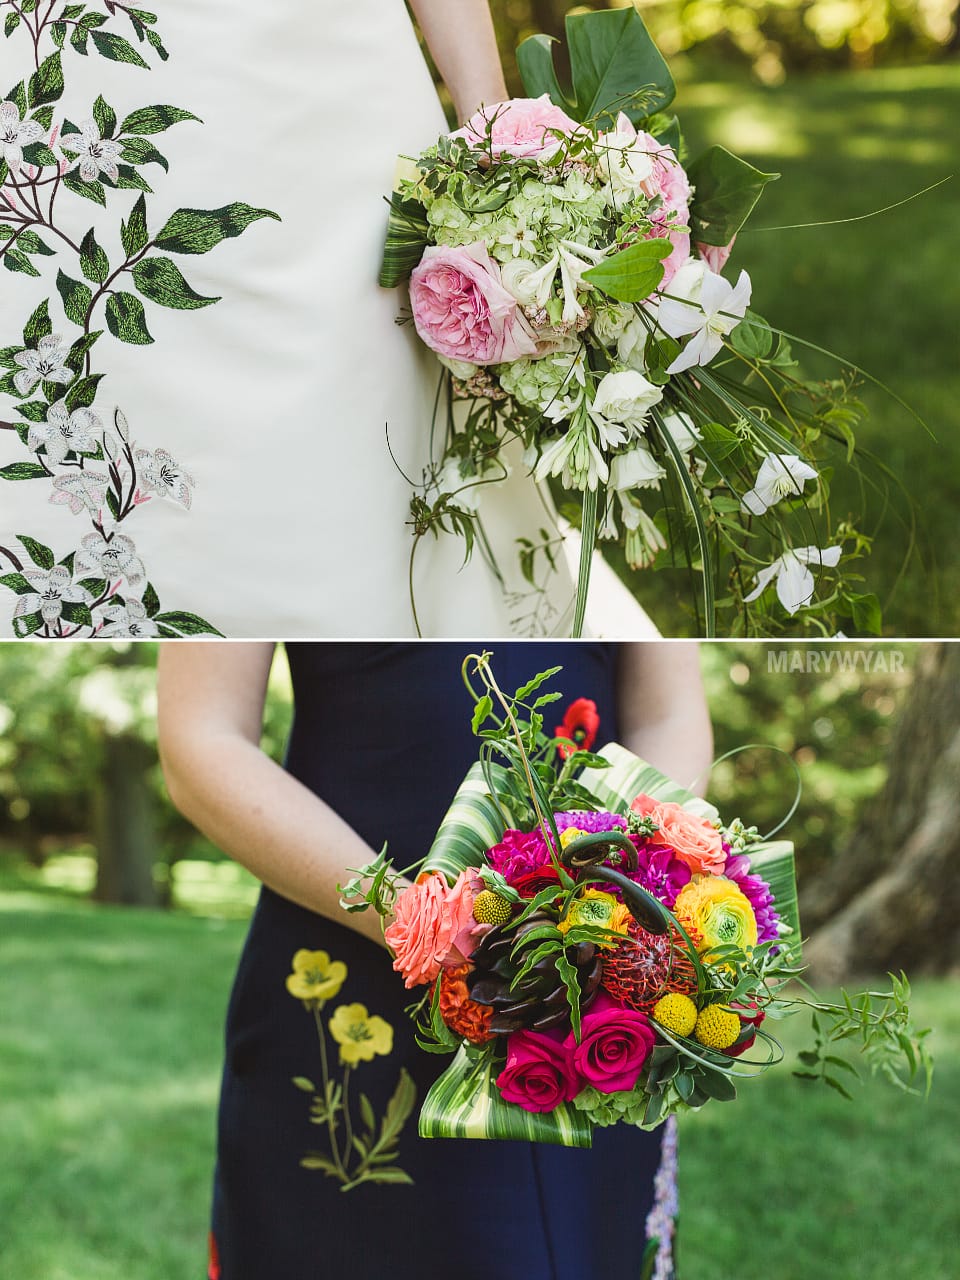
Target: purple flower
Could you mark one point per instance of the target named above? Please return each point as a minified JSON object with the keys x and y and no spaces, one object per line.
{"x":755,"y":889}
{"x":589,"y":823}
{"x":660,"y":872}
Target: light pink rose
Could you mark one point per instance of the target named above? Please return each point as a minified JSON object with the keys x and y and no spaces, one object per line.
{"x":692,"y":839}
{"x":431,"y":922}
{"x":715,"y":256}
{"x":461,"y":309}
{"x":525,"y":127}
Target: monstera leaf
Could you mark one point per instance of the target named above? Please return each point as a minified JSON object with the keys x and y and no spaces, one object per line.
{"x":615,"y":66}
{"x":727,"y":188}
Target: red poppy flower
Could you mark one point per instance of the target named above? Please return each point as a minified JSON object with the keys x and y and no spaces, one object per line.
{"x":213,"y":1267}
{"x":580,"y":724}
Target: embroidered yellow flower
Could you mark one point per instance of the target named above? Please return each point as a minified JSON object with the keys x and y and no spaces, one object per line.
{"x":598,"y":908}
{"x":360,"y":1035}
{"x":716,"y":913}
{"x":315,"y":976}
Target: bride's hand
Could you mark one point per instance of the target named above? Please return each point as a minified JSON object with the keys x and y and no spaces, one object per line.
{"x":461,"y":39}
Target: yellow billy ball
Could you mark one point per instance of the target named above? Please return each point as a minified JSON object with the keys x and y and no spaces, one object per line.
{"x":490,"y":908}
{"x":676,"y":1012}
{"x":717,"y":1028}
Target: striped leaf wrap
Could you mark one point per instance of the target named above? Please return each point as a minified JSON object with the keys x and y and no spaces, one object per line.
{"x":464,"y":1101}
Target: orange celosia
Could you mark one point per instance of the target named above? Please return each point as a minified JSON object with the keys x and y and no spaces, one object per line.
{"x":462,"y":1015}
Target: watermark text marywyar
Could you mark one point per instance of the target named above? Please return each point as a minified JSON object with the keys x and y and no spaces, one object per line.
{"x":874,"y":660}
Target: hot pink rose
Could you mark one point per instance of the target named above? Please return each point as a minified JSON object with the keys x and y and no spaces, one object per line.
{"x":461,"y":309}
{"x":614,"y":1044}
{"x":521,"y":127}
{"x":431,"y":925}
{"x":539,"y":1073}
{"x":692,"y":839}
{"x":715,"y":256}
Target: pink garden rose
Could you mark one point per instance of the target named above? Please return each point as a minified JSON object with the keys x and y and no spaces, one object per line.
{"x":432,"y":925}
{"x":692,"y":839}
{"x":715,"y":256}
{"x":614,"y":1044}
{"x":461,"y":309}
{"x":524,"y":127}
{"x":539,"y":1073}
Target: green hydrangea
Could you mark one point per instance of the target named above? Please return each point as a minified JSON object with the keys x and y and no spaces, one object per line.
{"x":537,"y":383}
{"x":605,"y":1109}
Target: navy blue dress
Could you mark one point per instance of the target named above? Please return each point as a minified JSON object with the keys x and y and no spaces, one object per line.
{"x":382,"y":734}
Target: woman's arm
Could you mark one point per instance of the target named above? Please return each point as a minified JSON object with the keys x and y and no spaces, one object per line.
{"x":460,"y":36}
{"x":211,"y":699}
{"x":663,"y":709}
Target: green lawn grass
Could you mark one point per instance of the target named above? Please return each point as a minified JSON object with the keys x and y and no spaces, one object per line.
{"x":885,"y":293}
{"x":109,"y":1062}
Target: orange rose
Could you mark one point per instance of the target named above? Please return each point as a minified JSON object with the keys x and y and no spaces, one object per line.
{"x":433,"y":926}
{"x":692,"y":839}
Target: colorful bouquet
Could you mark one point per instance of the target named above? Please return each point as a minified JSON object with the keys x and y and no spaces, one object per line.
{"x":597,"y":946}
{"x":564,"y":259}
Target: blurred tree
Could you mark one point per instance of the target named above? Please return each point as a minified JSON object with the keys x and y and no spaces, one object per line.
{"x":893,"y":897}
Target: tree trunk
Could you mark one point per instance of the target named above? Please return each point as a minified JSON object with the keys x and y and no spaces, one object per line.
{"x":893,"y":898}
{"x":126,"y":843}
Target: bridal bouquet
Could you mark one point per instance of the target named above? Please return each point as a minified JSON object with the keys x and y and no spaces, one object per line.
{"x":565,"y":261}
{"x":597,"y":946}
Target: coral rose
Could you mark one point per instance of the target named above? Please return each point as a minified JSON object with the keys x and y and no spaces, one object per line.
{"x":432,"y":925}
{"x":614,"y":1044}
{"x":539,"y":1073}
{"x":525,"y":127}
{"x":461,"y":309}
{"x":692,"y":839}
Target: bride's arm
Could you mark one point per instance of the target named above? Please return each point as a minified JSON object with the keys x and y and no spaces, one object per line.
{"x":211,"y":699}
{"x":663,"y":709}
{"x":460,"y":36}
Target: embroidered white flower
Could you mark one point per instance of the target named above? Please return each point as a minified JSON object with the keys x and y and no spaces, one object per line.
{"x":704,"y":306}
{"x":682,"y":430}
{"x":160,"y":473}
{"x":81,"y":490}
{"x":635,"y":469}
{"x":45,"y":364}
{"x":94,"y":155}
{"x":53,"y":588}
{"x":781,"y":475}
{"x":15,"y":134}
{"x":626,"y":397}
{"x":64,"y":432}
{"x":795,"y":585}
{"x":126,"y":621}
{"x":111,"y":558}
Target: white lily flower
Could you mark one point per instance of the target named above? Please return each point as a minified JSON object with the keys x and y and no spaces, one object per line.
{"x":781,"y":475}
{"x":111,"y":560}
{"x":94,"y":155}
{"x":704,"y":306}
{"x":637,"y":468}
{"x":15,"y":134}
{"x":64,"y":432}
{"x":45,"y":364}
{"x":127,"y":620}
{"x":795,"y":584}
{"x":81,"y":489}
{"x":52,"y":589}
{"x":682,"y":430}
{"x":160,"y":473}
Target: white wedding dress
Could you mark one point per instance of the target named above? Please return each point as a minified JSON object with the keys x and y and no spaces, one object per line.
{"x":254,"y":486}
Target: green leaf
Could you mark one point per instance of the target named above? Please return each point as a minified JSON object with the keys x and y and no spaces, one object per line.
{"x":126,"y":319}
{"x":407,"y":237}
{"x":150,"y":600}
{"x":133,"y":232}
{"x":16,"y":582}
{"x":89,"y":190}
{"x":105,"y":117}
{"x":76,"y":296}
{"x":755,"y":341}
{"x":82,"y":392}
{"x":39,"y":153}
{"x":303,"y":1083}
{"x":632,"y":274}
{"x":94,"y":262}
{"x":41,"y":556}
{"x":27,"y":626}
{"x":46,"y":83}
{"x":612,"y":59}
{"x":388,"y":1175}
{"x":116,"y":48}
{"x":33,"y":410}
{"x":140,"y":151}
{"x":14,"y":260}
{"x":480,"y":712}
{"x":30,"y":242}
{"x":154,"y":119}
{"x":130,"y":179}
{"x":200,"y":230}
{"x":323,"y":1163}
{"x":727,"y":189}
{"x":160,"y":280}
{"x":43,"y":116}
{"x":77,"y":353}
{"x":10,"y":24}
{"x":23,"y":471}
{"x":186,"y":624}
{"x":866,"y":612}
{"x":38,"y":326}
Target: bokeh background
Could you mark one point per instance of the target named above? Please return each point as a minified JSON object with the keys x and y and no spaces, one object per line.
{"x":855,"y":104}
{"x":120,"y":928}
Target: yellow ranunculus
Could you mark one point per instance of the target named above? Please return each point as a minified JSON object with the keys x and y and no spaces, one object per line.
{"x":315,"y":976}
{"x":571,"y":834}
{"x":360,"y":1036}
{"x":716,"y":913}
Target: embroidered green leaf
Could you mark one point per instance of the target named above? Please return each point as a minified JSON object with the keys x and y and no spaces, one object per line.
{"x":130,"y":178}
{"x":89,"y":190}
{"x":200,"y":230}
{"x":18,"y":95}
{"x":10,"y":24}
{"x":33,"y":410}
{"x":94,"y":262}
{"x":82,"y":393}
{"x":133,"y":232}
{"x":154,"y":39}
{"x":140,"y":151}
{"x":41,"y":556}
{"x":126,"y":320}
{"x":43,"y":117}
{"x":58,"y":33}
{"x":26,"y":626}
{"x":79,"y":39}
{"x":105,"y":116}
{"x":16,"y":582}
{"x":150,"y":600}
{"x":23,"y":471}
{"x":116,"y":48}
{"x":77,"y":613}
{"x":76,"y":296}
{"x":40,"y":155}
{"x":178,"y":622}
{"x":14,"y":260}
{"x":77,"y":353}
{"x":71,"y":11}
{"x":30,"y":242}
{"x":154,"y":119}
{"x":38,"y":326}
{"x":46,"y":83}
{"x":160,"y":280}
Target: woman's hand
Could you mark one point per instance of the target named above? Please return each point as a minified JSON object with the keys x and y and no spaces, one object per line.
{"x":461,"y":39}
{"x":211,"y":699}
{"x":664,"y":717}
